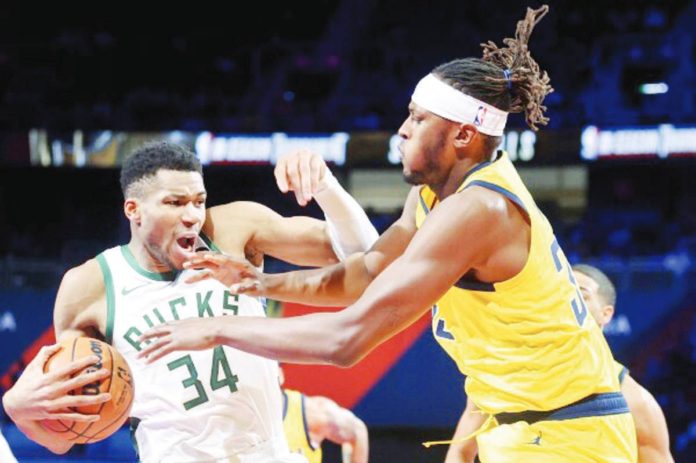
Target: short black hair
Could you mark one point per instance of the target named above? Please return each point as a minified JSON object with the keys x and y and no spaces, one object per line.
{"x":151,"y":157}
{"x":607,"y":290}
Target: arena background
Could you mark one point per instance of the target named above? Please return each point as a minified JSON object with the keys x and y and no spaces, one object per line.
{"x":614,"y":171}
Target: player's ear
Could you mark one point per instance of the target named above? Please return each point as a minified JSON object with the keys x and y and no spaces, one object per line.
{"x":465,"y":135}
{"x":607,"y":313}
{"x":131,"y":208}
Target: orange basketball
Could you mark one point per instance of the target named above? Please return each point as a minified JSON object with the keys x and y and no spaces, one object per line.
{"x":119,"y":384}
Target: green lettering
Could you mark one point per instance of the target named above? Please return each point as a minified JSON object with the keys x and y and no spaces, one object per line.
{"x":227,"y":305}
{"x":174,"y":303}
{"x":204,"y":304}
{"x":192,"y":380}
{"x":132,"y":336}
{"x":159,"y":315}
{"x":226,"y":379}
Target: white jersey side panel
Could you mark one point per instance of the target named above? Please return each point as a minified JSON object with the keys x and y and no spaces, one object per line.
{"x":219,"y":404}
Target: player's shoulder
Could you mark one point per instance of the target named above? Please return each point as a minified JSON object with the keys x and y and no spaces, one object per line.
{"x":86,"y":275}
{"x":483,"y":198}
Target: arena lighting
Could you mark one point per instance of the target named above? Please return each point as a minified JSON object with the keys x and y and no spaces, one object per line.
{"x":662,"y":141}
{"x":653,"y":88}
{"x":220,"y":148}
{"x":520,"y":146}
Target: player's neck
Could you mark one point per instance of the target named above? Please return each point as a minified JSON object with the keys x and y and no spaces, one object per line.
{"x":456,"y":175}
{"x":146,"y":260}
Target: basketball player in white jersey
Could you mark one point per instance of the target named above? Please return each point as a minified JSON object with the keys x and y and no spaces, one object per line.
{"x":216,"y":405}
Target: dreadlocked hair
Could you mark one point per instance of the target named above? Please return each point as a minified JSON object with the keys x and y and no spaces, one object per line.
{"x":507,"y":78}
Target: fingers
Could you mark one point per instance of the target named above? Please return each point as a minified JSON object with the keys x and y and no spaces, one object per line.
{"x":157,"y":349}
{"x":212,"y":261}
{"x":293,"y":173}
{"x":200,"y":276}
{"x":249,"y":287}
{"x":42,"y":357}
{"x":153,"y":334}
{"x":280,"y":175}
{"x":59,"y":405}
{"x":72,"y":368}
{"x":316,"y":171}
{"x":72,"y":417}
{"x":306,"y":177}
{"x":82,"y":380}
{"x":301,"y":173}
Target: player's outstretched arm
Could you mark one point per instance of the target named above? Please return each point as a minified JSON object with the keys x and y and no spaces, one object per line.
{"x":299,"y":240}
{"x":651,"y":426}
{"x":470,"y":421}
{"x":327,"y":420}
{"x":436,"y":258}
{"x":306,"y":174}
{"x":337,"y":285}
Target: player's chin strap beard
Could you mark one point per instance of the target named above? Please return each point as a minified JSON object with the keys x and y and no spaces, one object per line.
{"x":435,"y":96}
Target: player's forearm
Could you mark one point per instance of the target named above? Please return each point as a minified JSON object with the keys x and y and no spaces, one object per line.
{"x":32,"y":429}
{"x":348,"y":226}
{"x":319,"y":338}
{"x":337,"y":285}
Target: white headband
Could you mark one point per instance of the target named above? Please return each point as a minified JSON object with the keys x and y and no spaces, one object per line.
{"x":439,"y":98}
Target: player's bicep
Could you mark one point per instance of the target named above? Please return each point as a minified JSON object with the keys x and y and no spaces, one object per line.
{"x":299,"y":240}
{"x":458,"y":235}
{"x":435,"y":259}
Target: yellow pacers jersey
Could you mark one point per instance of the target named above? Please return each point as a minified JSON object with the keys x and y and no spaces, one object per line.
{"x":295,"y":426}
{"x":527,"y":343}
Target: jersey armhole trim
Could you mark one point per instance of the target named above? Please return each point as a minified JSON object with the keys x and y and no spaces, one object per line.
{"x":304,"y":422}
{"x":110,"y":297}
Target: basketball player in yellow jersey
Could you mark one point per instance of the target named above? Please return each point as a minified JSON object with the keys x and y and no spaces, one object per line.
{"x":472,"y":246}
{"x":308,"y":420}
{"x":651,"y":429}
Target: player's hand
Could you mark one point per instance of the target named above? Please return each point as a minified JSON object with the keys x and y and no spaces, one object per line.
{"x":239,"y":275}
{"x":302,"y":173}
{"x":39,"y":396}
{"x":188,"y":334}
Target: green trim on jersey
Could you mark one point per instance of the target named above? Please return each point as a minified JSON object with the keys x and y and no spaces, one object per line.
{"x":130,"y":258}
{"x":110,"y":298}
{"x":209,"y":242}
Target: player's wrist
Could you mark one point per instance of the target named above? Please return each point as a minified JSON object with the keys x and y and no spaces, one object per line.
{"x":327,"y":183}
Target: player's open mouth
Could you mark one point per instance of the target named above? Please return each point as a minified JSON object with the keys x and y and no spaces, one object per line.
{"x":186,"y":242}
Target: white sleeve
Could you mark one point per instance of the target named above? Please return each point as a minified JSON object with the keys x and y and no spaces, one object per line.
{"x":349,"y":227}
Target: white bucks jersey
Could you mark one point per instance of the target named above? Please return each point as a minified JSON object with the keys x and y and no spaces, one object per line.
{"x":215,"y":405}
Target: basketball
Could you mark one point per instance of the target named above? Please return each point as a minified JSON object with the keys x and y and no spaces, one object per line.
{"x":119,"y":384}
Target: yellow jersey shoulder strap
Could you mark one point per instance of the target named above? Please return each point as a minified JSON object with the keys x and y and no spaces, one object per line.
{"x":294,"y":413}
